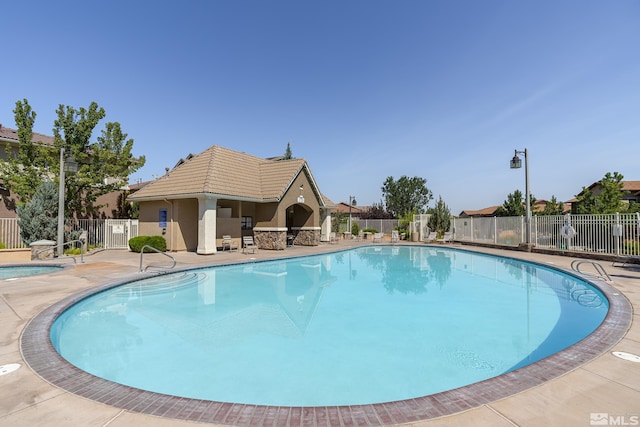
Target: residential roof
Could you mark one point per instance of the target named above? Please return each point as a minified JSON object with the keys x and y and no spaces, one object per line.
{"x":344,"y":207}
{"x":227,"y":173}
{"x":626,"y":186}
{"x":490,"y":211}
{"x":632,"y":186}
{"x":12,"y":135}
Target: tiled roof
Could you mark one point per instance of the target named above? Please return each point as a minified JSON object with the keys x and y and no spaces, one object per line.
{"x":630,"y":185}
{"x":227,"y":173}
{"x":344,"y":208}
{"x":12,"y":134}
{"x":481,"y":212}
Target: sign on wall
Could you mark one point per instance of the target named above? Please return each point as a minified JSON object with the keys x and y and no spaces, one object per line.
{"x":162,"y":218}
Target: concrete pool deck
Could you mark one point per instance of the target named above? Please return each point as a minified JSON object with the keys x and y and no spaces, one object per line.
{"x":604,"y":385}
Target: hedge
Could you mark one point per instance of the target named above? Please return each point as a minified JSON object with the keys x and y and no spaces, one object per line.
{"x":157,"y":242}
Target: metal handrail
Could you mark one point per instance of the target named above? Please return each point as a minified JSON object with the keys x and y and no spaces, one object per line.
{"x":576,"y":263}
{"x":158,"y":251}
{"x":52,"y":248}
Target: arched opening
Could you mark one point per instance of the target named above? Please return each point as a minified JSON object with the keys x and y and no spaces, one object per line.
{"x":298,"y":216}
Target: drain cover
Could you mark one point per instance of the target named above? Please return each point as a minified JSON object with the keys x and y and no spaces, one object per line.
{"x":6,"y":369}
{"x":627,"y":356}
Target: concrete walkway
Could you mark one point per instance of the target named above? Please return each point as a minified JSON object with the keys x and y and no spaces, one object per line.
{"x":606,"y":385}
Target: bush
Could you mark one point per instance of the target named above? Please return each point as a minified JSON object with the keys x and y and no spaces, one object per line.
{"x":355,"y":229}
{"x":370,"y":230}
{"x":157,"y":242}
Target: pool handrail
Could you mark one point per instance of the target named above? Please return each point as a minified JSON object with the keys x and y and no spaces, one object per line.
{"x":158,"y":251}
{"x":600,"y":271}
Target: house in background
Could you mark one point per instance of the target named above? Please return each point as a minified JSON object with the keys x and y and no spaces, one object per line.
{"x":225,"y":192}
{"x":9,"y":138}
{"x":630,"y":189}
{"x":537,"y":207}
{"x":486,"y":212}
{"x":111,"y":201}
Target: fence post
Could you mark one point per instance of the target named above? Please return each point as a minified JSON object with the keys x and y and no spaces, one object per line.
{"x":617,"y":233}
{"x":495,"y":230}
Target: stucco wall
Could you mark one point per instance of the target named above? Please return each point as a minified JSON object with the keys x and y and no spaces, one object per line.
{"x":186,"y":221}
{"x":181,"y":230}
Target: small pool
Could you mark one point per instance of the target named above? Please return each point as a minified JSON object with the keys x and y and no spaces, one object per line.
{"x":15,"y":271}
{"x":363,"y":326}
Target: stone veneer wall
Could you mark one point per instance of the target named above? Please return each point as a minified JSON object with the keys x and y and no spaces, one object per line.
{"x":277,"y":240}
{"x":307,"y":238}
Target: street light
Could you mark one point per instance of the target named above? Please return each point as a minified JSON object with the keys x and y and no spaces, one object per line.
{"x":68,"y":165}
{"x":352,"y":202}
{"x":516,"y":163}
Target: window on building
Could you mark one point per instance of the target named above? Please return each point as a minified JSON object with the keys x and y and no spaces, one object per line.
{"x":247,"y":222}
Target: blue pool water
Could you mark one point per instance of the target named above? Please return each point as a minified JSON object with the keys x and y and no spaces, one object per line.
{"x":368,"y":325}
{"x":15,"y":271}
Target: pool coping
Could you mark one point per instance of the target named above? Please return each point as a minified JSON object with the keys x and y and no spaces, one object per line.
{"x":40,"y":355}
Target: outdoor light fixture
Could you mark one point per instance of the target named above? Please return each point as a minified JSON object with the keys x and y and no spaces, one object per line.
{"x":71,"y":166}
{"x":516,"y":163}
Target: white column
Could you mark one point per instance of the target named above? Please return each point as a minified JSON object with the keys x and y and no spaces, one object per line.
{"x":207,"y":216}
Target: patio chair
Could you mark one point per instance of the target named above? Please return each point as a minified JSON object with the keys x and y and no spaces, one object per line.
{"x":626,"y":261}
{"x":446,"y":238}
{"x":229,"y":244}
{"x":395,"y":237}
{"x":248,"y":245}
{"x":333,"y":238}
{"x":377,"y":237}
{"x":432,"y":237}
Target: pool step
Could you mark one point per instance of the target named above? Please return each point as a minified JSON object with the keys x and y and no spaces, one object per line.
{"x":165,"y":283}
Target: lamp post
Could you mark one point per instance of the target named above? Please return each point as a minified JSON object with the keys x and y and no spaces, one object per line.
{"x":68,"y":165}
{"x":352,"y":202}
{"x":516,"y":163}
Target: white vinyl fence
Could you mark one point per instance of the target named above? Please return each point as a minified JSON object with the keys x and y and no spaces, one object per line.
{"x":385,"y":226}
{"x":613,"y":234}
{"x":101,"y":233}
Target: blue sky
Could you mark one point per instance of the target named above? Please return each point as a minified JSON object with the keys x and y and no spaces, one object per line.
{"x":363,"y":90}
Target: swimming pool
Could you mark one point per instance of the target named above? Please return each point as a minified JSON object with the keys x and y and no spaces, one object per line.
{"x":15,"y":271}
{"x":387,"y":323}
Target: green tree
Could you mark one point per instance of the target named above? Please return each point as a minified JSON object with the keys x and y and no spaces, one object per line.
{"x":38,"y":218}
{"x":338,"y":218}
{"x":404,"y":221}
{"x":287,"y":153}
{"x":585,"y":202}
{"x":553,"y":207}
{"x":440,"y":219}
{"x":104,"y":166}
{"x":514,"y":205}
{"x":406,"y":195}
{"x":607,"y":201}
{"x":126,"y":209}
{"x":25,"y":166}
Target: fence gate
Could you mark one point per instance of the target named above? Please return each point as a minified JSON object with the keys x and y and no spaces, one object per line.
{"x":117,"y":233}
